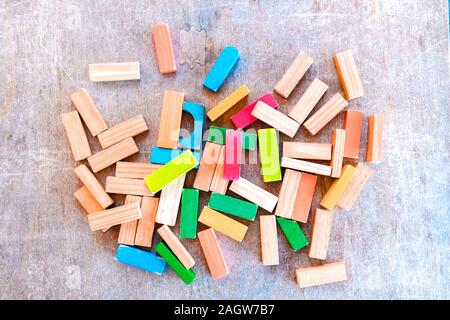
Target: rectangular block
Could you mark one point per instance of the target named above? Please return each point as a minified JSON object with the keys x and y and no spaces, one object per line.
{"x":374,"y":138}
{"x":105,"y":72}
{"x":78,"y":142}
{"x":135,"y":170}
{"x":94,"y":186}
{"x":169,"y":125}
{"x":146,"y":224}
{"x":255,"y":194}
{"x":127,"y":186}
{"x":288,"y":192}
{"x":338,"y":187}
{"x":127,"y":233}
{"x":87,"y":200}
{"x":163,"y":156}
{"x":220,"y":222}
{"x":187,"y":275}
{"x":163,"y":48}
{"x":269,"y":155}
{"x":176,"y":246}
{"x":219,"y":184}
{"x":354,"y":188}
{"x":275,"y":118}
{"x":207,"y":166}
{"x":233,"y":145}
{"x":218,"y":135}
{"x":233,"y":206}
{"x":248,"y":141}
{"x":127,"y":129}
{"x":140,"y":259}
{"x":322,"y":274}
{"x":169,"y":202}
{"x":304,"y":197}
{"x":88,"y":111}
{"x":269,"y":240}
{"x":221,"y":68}
{"x":213,"y":254}
{"x":320,"y":234}
{"x":352,"y":127}
{"x":244,"y":117}
{"x":325,"y":114}
{"x":348,"y":75}
{"x":306,"y":166}
{"x":292,"y":76}
{"x":112,"y":217}
{"x":227,"y":103}
{"x":293,"y":233}
{"x":337,"y":157}
{"x":310,"y":151}
{"x":189,"y":213}
{"x":308,"y":101}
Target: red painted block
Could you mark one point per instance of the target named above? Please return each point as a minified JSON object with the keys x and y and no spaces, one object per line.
{"x":244,"y":117}
{"x":232,"y":166}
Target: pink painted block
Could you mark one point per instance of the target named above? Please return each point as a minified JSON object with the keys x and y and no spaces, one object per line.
{"x":232,"y":163}
{"x":244,"y":117}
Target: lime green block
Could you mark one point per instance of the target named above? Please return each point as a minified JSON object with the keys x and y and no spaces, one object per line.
{"x":269,"y":155}
{"x":217,"y":135}
{"x":293,"y":233}
{"x":187,"y":275}
{"x":234,"y":206}
{"x":189,"y":214}
{"x":170,"y":171}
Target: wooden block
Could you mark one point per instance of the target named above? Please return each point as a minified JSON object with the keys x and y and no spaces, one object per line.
{"x":338,"y":187}
{"x":127,"y":129}
{"x":127,"y":233}
{"x":255,"y":194}
{"x":320,"y":275}
{"x":94,"y":186}
{"x":226,"y":104}
{"x":219,"y":184}
{"x":187,"y":275}
{"x":311,"y":151}
{"x":146,"y":224}
{"x":189,"y":213}
{"x":218,"y":135}
{"x":293,"y":75}
{"x":176,"y":246}
{"x":195,"y":138}
{"x":288,"y":192}
{"x":105,"y":72}
{"x":127,"y":186}
{"x":163,"y":48}
{"x":112,"y":217}
{"x":293,"y":233}
{"x":337,"y":157}
{"x":163,"y":156}
{"x":348,"y":75}
{"x":220,"y":222}
{"x":135,"y":170}
{"x":213,"y":254}
{"x":374,"y":138}
{"x":244,"y":117}
{"x":306,"y":166}
{"x":320,"y":234}
{"x":275,"y":118}
{"x":140,"y":259}
{"x":207,"y":166}
{"x":308,"y":101}
{"x":169,"y":202}
{"x":111,"y":155}
{"x":232,"y":165}
{"x":233,"y":206}
{"x":354,"y":188}
{"x":169,"y":125}
{"x":304,"y":197}
{"x":224,"y":64}
{"x":269,"y":155}
{"x":75,"y":134}
{"x":325,"y":114}
{"x":352,"y":127}
{"x":88,"y":111}
{"x":269,"y":240}
{"x":87,"y":200}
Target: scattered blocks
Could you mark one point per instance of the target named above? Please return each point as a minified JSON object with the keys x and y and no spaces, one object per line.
{"x":221,"y":68}
{"x":308,"y":101}
{"x":288,"y":192}
{"x":304,"y":197}
{"x":77,"y":137}
{"x":189,"y":213}
{"x":169,"y":202}
{"x":255,"y":194}
{"x":233,"y":145}
{"x":293,"y":233}
{"x":187,"y":275}
{"x":269,"y":240}
{"x":275,"y":118}
{"x":112,"y":217}
{"x":88,"y":111}
{"x":176,"y":246}
{"x":310,"y":151}
{"x":348,"y":75}
{"x":128,"y":186}
{"x":269,"y":155}
{"x":322,"y":274}
{"x":354,"y":188}
{"x":337,"y":157}
{"x":233,"y":206}
{"x":140,"y":259}
{"x":293,"y":75}
{"x":106,"y":72}
{"x":135,"y":170}
{"x":320,"y":234}
{"x":169,"y":125}
{"x":146,"y":224}
{"x":194,"y":140}
{"x":127,"y":233}
{"x":213,"y":254}
{"x":218,"y":135}
{"x":352,"y":127}
{"x":208,"y":163}
{"x":374,"y":138}
{"x":306,"y":166}
{"x":220,"y":222}
{"x":219,"y":184}
{"x":338,"y":187}
{"x":163,"y":156}
{"x":227,"y":103}
{"x":94,"y":186}
{"x":122,"y":131}
{"x":163,"y":48}
{"x":244,"y":117}
{"x":87,"y":200}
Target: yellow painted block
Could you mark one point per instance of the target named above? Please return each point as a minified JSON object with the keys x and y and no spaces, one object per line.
{"x":338,"y":187}
{"x":226,"y":104}
{"x":223,"y":224}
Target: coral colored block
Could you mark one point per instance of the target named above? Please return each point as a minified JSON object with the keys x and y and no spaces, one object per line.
{"x":304,"y":197}
{"x":244,"y":117}
{"x":163,"y":48}
{"x":352,"y":126}
{"x":232,"y":169}
{"x":221,"y":68}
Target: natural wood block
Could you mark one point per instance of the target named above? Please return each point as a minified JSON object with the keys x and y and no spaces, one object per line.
{"x":88,"y":111}
{"x":374,"y":138}
{"x":163,"y":48}
{"x":169,"y":202}
{"x":325,"y":114}
{"x":119,"y":185}
{"x":352,"y":127}
{"x":218,"y":183}
{"x":233,"y":154}
{"x":269,"y":240}
{"x":135,"y":170}
{"x":320,"y":275}
{"x":127,"y":129}
{"x":338,"y":187}
{"x":308,"y":100}
{"x":94,"y":186}
{"x":205,"y":172}
{"x":169,"y":125}
{"x":176,"y":246}
{"x":112,"y":217}
{"x":288,"y":192}
{"x":75,"y":134}
{"x":306,"y":166}
{"x":320,"y":234}
{"x":87,"y":200}
{"x":302,"y":150}
{"x":105,"y":72}
{"x":213,"y":254}
{"x":222,"y":223}
{"x":275,"y":118}
{"x":348,"y":75}
{"x":337,"y":157}
{"x":146,"y":224}
{"x":255,"y":194}
{"x":293,"y":75}
{"x":127,"y":233}
{"x":354,"y":188}
{"x":304,"y":197}
{"x":226,"y":104}
{"x":111,"y":155}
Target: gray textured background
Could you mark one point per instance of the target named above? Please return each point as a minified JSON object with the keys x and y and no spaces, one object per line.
{"x":396,"y":239}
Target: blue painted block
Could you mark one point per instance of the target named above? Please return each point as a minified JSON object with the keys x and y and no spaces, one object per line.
{"x":222,"y":68}
{"x":140,"y":259}
{"x":194,"y":140}
{"x":163,"y":155}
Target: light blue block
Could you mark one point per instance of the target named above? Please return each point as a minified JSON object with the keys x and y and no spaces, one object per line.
{"x":221,"y":68}
{"x":140,"y":259}
{"x":163,"y":155}
{"x":194,"y":140}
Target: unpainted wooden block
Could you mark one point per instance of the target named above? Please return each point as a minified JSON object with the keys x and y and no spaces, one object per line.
{"x":306,"y":166}
{"x":78,"y":142}
{"x":355,"y":187}
{"x":208,"y":163}
{"x":87,"y":200}
{"x":322,"y":274}
{"x":112,"y":217}
{"x":169,"y":202}
{"x":135,"y":170}
{"x":320,"y":234}
{"x":348,"y":75}
{"x":127,"y":233}
{"x":106,"y":72}
{"x":288,"y":192}
{"x":337,"y":157}
{"x":146,"y":224}
{"x":176,"y":246}
{"x":292,"y":76}
{"x":218,"y":183}
{"x":310,"y":151}
{"x":128,"y":186}
{"x":275,"y":119}
{"x":94,"y":186}
{"x":88,"y":111}
{"x":254,"y":194}
{"x":269,"y":240}
{"x":170,"y":121}
{"x":213,"y":254}
{"x":127,"y":129}
{"x":308,"y":100}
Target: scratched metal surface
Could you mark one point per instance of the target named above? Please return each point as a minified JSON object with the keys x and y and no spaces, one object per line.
{"x":396,"y":239}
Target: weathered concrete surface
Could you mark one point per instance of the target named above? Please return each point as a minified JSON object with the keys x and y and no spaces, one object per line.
{"x":395,"y":240}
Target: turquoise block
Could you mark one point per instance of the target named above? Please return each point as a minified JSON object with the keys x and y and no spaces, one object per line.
{"x":162,"y":155}
{"x":140,"y":259}
{"x":221,"y":68}
{"x":194,"y":140}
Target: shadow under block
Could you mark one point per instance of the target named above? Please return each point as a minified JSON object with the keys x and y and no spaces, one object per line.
{"x":244,"y":117}
{"x":127,"y":233}
{"x":354,"y":188}
{"x":288,"y":192}
{"x":87,"y":200}
{"x":322,"y":274}
{"x":111,"y":155}
{"x":176,"y":247}
{"x":213,"y":254}
{"x":169,"y":202}
{"x":292,"y":76}
{"x":140,"y":259}
{"x":189,"y":213}
{"x":170,"y":121}
{"x":88,"y":111}
{"x":338,"y":187}
{"x":219,"y":184}
{"x":337,"y":157}
{"x":320,"y":234}
{"x":208,"y":163}
{"x":306,"y":166}
{"x":128,"y":186}
{"x":352,"y":126}
{"x":106,"y":72}
{"x":146,"y":224}
{"x":269,"y":155}
{"x":163,"y":156}
{"x":348,"y":75}
{"x":255,"y":194}
{"x":325,"y":114}
{"x":163,"y":48}
{"x":194,"y":139}
{"x":112,"y":217}
{"x":223,"y":66}
{"x":187,"y":275}
{"x":293,"y":233}
{"x":94,"y":186}
{"x":135,"y":170}
{"x":225,"y":225}
{"x":275,"y":118}
{"x":269,"y":240}
{"x":309,"y":151}
{"x":236,"y":207}
{"x":78,"y":141}
{"x":218,"y":135}
{"x":304,"y":197}
{"x":127,"y":129}
{"x":374,"y":138}
{"x":308,"y":101}
{"x":227,"y":103}
{"x":233,"y":154}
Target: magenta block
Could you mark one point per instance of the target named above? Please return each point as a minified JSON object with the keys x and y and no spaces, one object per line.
{"x":233,"y":152}
{"x":244,"y":117}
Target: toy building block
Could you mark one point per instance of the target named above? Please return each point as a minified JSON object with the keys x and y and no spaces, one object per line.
{"x":236,"y":207}
{"x":187,"y":275}
{"x":233,"y":153}
{"x":88,"y":111}
{"x":320,"y":234}
{"x":308,"y":101}
{"x":189,"y":213}
{"x":352,"y":127}
{"x":269,"y":155}
{"x":112,"y":217}
{"x":269,"y":240}
{"x":338,"y":187}
{"x":169,"y":202}
{"x":306,"y":166}
{"x":288,"y":192}
{"x":322,"y":274}
{"x":218,"y":135}
{"x":244,"y":117}
{"x":337,"y":156}
{"x":146,"y":224}
{"x":348,"y":75}
{"x":106,"y":72}
{"x":87,"y":200}
{"x":135,"y":170}
{"x":163,"y":48}
{"x":310,"y":151}
{"x":255,"y":194}
{"x":354,"y":188}
{"x":293,"y":75}
{"x":213,"y":254}
{"x":293,"y":233}
{"x":127,"y":186}
{"x":170,"y":121}
{"x":219,"y":184}
{"x":207,"y":166}
{"x":127,"y":233}
{"x":163,"y":155}
{"x":127,"y":129}
{"x":77,"y":137}
{"x":374,"y":138}
{"x":227,"y":103}
{"x":221,"y":68}
{"x":304,"y":197}
{"x":94,"y":186}
{"x":176,"y":246}
{"x":140,"y":259}
{"x":275,"y":118}
{"x":194,"y":139}
{"x":220,"y":222}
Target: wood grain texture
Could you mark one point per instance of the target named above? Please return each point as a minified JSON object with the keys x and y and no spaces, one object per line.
{"x":352,"y":126}
{"x":94,"y":186}
{"x":348,"y":75}
{"x":374,"y":138}
{"x":308,"y":100}
{"x":320,"y":234}
{"x":269,"y":240}
{"x":127,"y":233}
{"x":338,"y":187}
{"x":112,"y":217}
{"x":213,"y":254}
{"x":169,"y":202}
{"x":163,"y":48}
{"x":208,"y":163}
{"x":84,"y":104}
{"x":304,"y":197}
{"x":255,"y":194}
{"x":77,"y":137}
{"x":127,"y":129}
{"x":275,"y":119}
{"x":306,"y":166}
{"x":128,"y":186}
{"x":222,"y":223}
{"x":170,"y":120}
{"x":87,"y":200}
{"x":118,"y":71}
{"x":146,"y":224}
{"x":337,"y":157}
{"x":304,"y":150}
{"x":176,"y":246}
{"x":355,"y":187}
{"x":322,"y":274}
{"x":218,"y":183}
{"x":289,"y":189}
{"x":293,"y":74}
{"x":135,"y":170}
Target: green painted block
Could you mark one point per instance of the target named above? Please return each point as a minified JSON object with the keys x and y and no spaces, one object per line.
{"x":269,"y":155}
{"x":293,"y":233}
{"x":189,"y":213}
{"x":187,"y":275}
{"x":170,"y":171}
{"x":249,"y":141}
{"x":217,"y":135}
{"x":234,"y":206}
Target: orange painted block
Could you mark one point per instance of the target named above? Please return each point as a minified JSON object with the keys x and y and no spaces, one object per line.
{"x":293,"y":74}
{"x":146,"y":224}
{"x":205,"y":172}
{"x":374,"y":138}
{"x":269,"y":240}
{"x":163,"y":48}
{"x":127,"y":233}
{"x":88,"y":111}
{"x":337,"y":157}
{"x":169,"y":125}
{"x":94,"y":186}
{"x":352,"y":127}
{"x":348,"y":75}
{"x":77,"y":137}
{"x":322,"y":274}
{"x":304,"y":197}
{"x":354,"y":188}
{"x":213,"y":254}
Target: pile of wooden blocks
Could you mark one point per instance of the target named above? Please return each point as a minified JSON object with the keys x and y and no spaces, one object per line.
{"x":217,"y":163}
